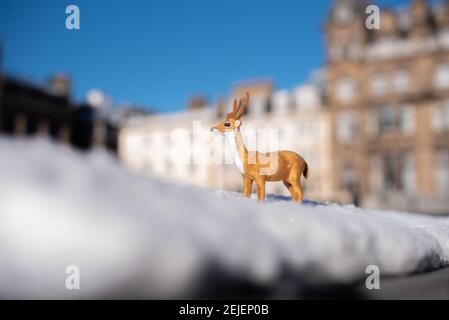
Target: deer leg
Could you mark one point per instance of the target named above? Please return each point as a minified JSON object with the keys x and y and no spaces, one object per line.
{"x":260,"y":183}
{"x":297,"y":191}
{"x":288,"y":185}
{"x":247,"y":187}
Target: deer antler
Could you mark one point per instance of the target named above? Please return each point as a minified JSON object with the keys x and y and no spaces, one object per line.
{"x":234,"y":107}
{"x":243,"y":106}
{"x":238,"y":111}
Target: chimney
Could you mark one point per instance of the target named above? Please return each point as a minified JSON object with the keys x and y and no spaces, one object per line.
{"x":196,"y":102}
{"x":60,"y":84}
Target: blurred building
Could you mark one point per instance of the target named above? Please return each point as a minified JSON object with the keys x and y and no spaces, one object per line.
{"x":28,"y":110}
{"x":163,"y":145}
{"x":295,"y":119}
{"x":388,"y":94}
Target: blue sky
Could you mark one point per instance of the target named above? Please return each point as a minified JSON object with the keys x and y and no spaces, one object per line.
{"x":158,"y":53}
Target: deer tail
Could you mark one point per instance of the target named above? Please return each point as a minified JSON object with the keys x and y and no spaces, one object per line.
{"x":306,"y":170}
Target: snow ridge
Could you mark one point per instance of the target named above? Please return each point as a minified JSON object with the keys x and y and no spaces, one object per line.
{"x":131,"y":234}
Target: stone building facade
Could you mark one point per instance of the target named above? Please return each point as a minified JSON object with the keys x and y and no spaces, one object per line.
{"x":388,"y":94}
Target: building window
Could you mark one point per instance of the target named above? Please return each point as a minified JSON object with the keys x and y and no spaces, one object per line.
{"x":259,"y":106}
{"x":351,"y":50}
{"x":281,"y":102}
{"x":397,"y":119}
{"x":387,"y":119}
{"x":389,"y":175}
{"x":442,"y":76}
{"x":307,"y":97}
{"x":441,"y":116}
{"x":442,"y":172}
{"x":335,"y":51}
{"x":349,"y":178}
{"x":343,"y":14}
{"x":345,"y":89}
{"x":379,"y":84}
{"x":400,"y":81}
{"x":347,"y":126}
{"x":398,"y":172}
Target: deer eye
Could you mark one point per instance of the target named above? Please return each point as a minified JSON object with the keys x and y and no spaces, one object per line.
{"x":227,"y":124}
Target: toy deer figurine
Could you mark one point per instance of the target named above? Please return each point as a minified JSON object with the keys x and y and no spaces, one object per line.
{"x":259,"y":167}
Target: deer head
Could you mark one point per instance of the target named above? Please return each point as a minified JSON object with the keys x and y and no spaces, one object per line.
{"x":232,"y":121}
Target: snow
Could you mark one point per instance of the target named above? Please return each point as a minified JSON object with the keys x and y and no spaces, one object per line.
{"x":133,"y":235}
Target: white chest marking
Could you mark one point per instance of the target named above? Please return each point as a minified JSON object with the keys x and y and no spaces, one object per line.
{"x":230,"y":136}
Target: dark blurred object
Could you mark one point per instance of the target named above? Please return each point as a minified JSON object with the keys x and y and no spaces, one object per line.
{"x":196,"y":102}
{"x":26,"y":110}
{"x":59,"y":84}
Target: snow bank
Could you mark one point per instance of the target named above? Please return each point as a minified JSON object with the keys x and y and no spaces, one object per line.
{"x":133,"y":236}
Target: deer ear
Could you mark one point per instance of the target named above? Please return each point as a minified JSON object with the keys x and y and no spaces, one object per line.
{"x":238,"y":123}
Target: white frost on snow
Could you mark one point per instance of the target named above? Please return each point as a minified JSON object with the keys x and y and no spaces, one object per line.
{"x":130,"y":233}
